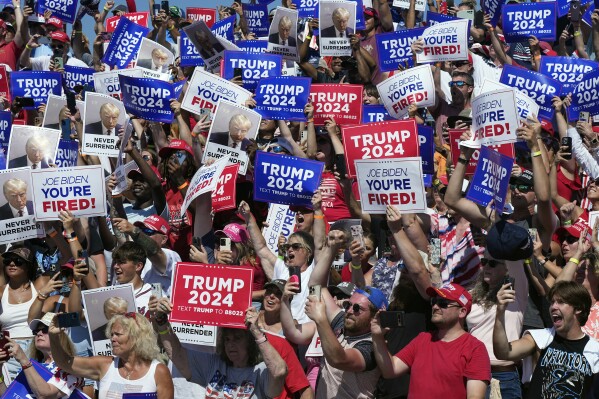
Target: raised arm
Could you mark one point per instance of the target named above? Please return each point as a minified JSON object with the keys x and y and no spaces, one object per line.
{"x":267,"y":257}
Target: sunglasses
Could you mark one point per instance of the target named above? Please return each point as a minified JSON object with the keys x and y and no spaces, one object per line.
{"x":490,"y":262}
{"x":273,"y":291}
{"x":443,"y":303}
{"x":149,"y":232}
{"x":459,"y":64}
{"x":355,"y":307}
{"x":522,"y":188}
{"x":146,"y":157}
{"x":296,"y":246}
{"x":44,"y":330}
{"x":276,"y":149}
{"x":16,"y":261}
{"x":569,"y":239}
{"x":459,"y":83}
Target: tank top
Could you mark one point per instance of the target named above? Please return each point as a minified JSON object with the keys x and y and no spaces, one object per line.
{"x":13,"y":317}
{"x":113,"y":385}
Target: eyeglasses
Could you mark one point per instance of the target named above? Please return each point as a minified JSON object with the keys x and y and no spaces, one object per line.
{"x":459,"y":83}
{"x":569,"y":239}
{"x":490,"y":262}
{"x":276,"y":149}
{"x":12,"y":259}
{"x":296,"y":246}
{"x":354,"y":306}
{"x":44,"y":330}
{"x":148,"y":232}
{"x":146,"y":157}
{"x":443,"y":303}
{"x":522,"y":188}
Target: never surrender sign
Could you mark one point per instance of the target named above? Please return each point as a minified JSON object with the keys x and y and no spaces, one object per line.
{"x":205,"y":89}
{"x":124,"y":45}
{"x":447,"y":41}
{"x":394,"y":47}
{"x":284,"y":179}
{"x":282,"y":98}
{"x":216,"y":295}
{"x":80,"y":190}
{"x":414,"y":85}
{"x":391,"y":182}
{"x":522,"y":20}
{"x":342,"y":102}
{"x":393,"y":139}
{"x":535,"y":85}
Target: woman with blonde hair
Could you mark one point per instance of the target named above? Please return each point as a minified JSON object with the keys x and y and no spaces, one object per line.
{"x":132,"y":368}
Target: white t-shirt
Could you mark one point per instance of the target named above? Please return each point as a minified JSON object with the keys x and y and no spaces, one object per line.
{"x":299,"y":300}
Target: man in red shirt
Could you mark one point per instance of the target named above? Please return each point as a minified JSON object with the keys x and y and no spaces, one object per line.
{"x":457,"y":362}
{"x":11,"y":50}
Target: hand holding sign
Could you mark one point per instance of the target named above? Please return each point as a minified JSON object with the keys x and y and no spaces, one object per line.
{"x":529,"y":131}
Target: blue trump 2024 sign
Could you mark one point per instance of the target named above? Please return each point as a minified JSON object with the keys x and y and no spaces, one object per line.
{"x":282,"y":98}
{"x":36,"y":84}
{"x":125,"y":42}
{"x":375,"y":113}
{"x":78,"y":76}
{"x":585,"y":96}
{"x":491,"y":178}
{"x":569,"y":71}
{"x":394,"y":48}
{"x":283,"y":179}
{"x":147,"y":98}
{"x":522,"y":20}
{"x":253,"y":67}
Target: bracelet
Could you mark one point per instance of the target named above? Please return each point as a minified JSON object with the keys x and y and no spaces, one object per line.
{"x":52,"y":233}
{"x":318,"y":216}
{"x":527,"y":261}
{"x":28,"y":47}
{"x":182,"y":186}
{"x":536,"y":154}
{"x":491,"y":29}
{"x":14,"y":7}
{"x":542,"y":262}
{"x":25,"y":367}
{"x":355,"y":267}
{"x":574,"y":260}
{"x":577,"y":33}
{"x":463,"y":161}
{"x":40,"y":298}
{"x":194,"y":134}
{"x":309,"y":37}
{"x":106,"y":9}
{"x":43,"y":296}
{"x":117,"y":195}
{"x":567,"y":223}
{"x":262,"y":340}
{"x":165,"y":332}
{"x":72,"y":239}
{"x":311,"y":120}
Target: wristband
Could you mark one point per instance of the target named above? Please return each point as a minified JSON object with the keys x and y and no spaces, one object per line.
{"x":567,"y":223}
{"x":491,"y":29}
{"x":527,"y":261}
{"x":577,"y":33}
{"x":52,"y":233}
{"x":311,"y":120}
{"x":165,"y":332}
{"x":194,"y":134}
{"x":69,"y":240}
{"x":574,"y":260}
{"x":43,"y":296}
{"x":355,"y":267}
{"x":536,"y":154}
{"x":309,"y":37}
{"x":463,"y":161}
{"x":318,"y":216}
{"x":182,"y":186}
{"x":28,"y":47}
{"x":25,"y":367}
{"x":106,"y":9}
{"x":40,"y":298}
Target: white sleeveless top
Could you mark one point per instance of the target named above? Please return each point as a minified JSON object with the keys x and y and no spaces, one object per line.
{"x":113,"y":385}
{"x":13,"y":317}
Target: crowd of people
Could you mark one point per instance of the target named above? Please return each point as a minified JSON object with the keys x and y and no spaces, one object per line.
{"x":462,"y":301}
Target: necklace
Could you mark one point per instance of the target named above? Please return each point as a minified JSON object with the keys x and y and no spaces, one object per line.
{"x":20,"y":290}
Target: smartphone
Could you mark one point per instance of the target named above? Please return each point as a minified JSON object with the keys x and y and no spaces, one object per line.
{"x":296,"y":271}
{"x":156,"y":290}
{"x":584,"y":116}
{"x":181,"y":155}
{"x":357,"y":233}
{"x":82,"y":254}
{"x":24,"y":102}
{"x":304,"y":136}
{"x":340,"y":165}
{"x":575,"y":11}
{"x":509,"y":280}
{"x":392,"y":319}
{"x":315,"y":290}
{"x":70,"y":319}
{"x":52,"y":270}
{"x":197,"y":242}
{"x":435,"y":251}
{"x":4,"y":335}
{"x":71,"y":102}
{"x":466,"y":14}
{"x":237,"y":72}
{"x":30,"y":4}
{"x":567,"y":142}
{"x":65,"y":127}
{"x":225,"y":243}
{"x":78,"y":89}
{"x":164,"y":5}
{"x":532,"y":232}
{"x":156,"y":9}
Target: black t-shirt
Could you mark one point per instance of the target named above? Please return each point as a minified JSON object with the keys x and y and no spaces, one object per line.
{"x":365,"y":347}
{"x":562,"y":371}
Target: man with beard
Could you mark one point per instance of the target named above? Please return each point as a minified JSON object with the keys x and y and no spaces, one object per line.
{"x":447,"y":363}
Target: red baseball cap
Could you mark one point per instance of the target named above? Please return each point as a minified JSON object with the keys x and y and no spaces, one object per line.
{"x":156,"y":223}
{"x":175,"y":145}
{"x":453,"y":292}
{"x":575,"y":230}
{"x":547,"y":126}
{"x":55,"y":22}
{"x":60,"y":36}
